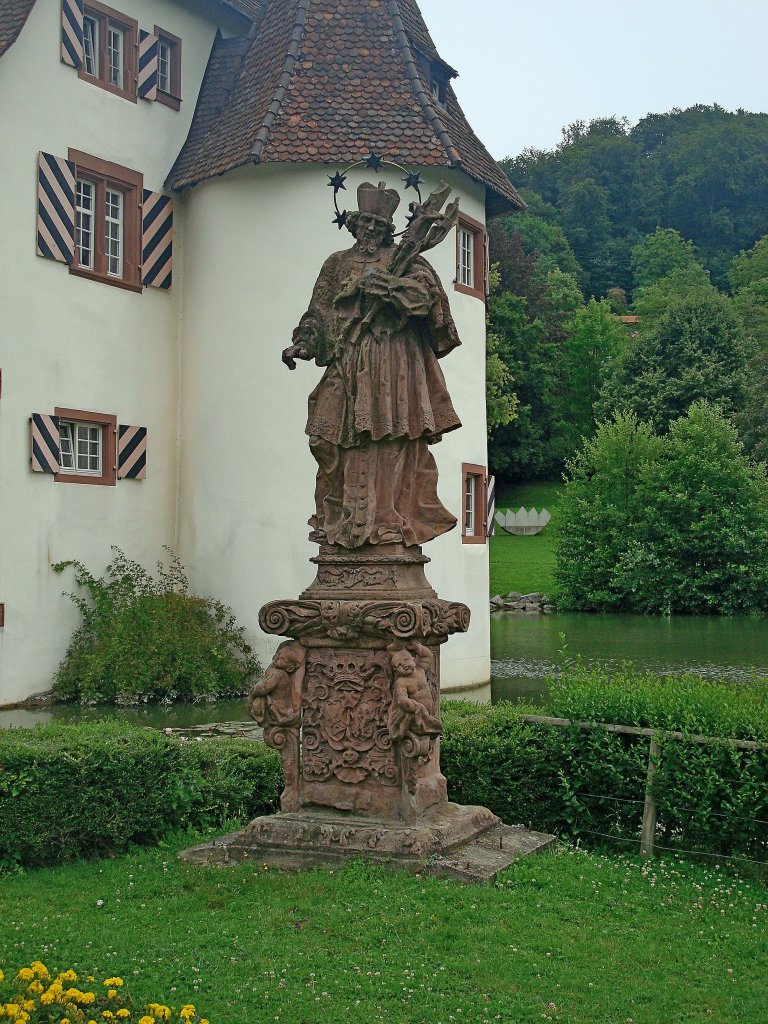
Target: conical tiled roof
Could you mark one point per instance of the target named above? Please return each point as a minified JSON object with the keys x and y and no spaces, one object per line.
{"x":328,"y":81}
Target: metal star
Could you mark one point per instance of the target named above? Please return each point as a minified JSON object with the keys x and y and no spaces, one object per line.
{"x":374,"y":161}
{"x":414,"y":181}
{"x":337,"y":181}
{"x":340,"y":219}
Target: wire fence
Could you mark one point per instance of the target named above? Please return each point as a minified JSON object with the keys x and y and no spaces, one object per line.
{"x":649,"y":843}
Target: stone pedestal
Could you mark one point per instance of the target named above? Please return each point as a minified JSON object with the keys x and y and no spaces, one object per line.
{"x":352,"y":702}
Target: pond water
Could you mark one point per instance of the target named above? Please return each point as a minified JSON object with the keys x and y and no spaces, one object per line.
{"x":524,"y":651}
{"x":525,"y":648}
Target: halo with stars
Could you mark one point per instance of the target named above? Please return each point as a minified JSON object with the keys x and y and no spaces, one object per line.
{"x":373,"y":162}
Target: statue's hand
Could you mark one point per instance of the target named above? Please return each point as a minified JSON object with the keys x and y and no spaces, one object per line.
{"x":294,"y":352}
{"x":378,"y":283}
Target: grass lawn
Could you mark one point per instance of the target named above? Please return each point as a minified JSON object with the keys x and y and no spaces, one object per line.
{"x":524,"y":563}
{"x":572,"y":937}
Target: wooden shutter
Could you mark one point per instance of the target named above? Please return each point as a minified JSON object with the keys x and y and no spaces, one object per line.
{"x":55,"y":208}
{"x":148,"y":66}
{"x":131,"y":452}
{"x":45,"y":441}
{"x":490,"y":511}
{"x":487,"y":263}
{"x":72,"y":32}
{"x":156,"y":240}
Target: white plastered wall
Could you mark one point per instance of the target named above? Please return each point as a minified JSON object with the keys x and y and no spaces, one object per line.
{"x":69,"y":342}
{"x":254,"y":243}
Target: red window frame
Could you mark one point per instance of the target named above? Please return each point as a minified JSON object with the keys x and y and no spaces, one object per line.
{"x":479,"y":476}
{"x":108,"y":424}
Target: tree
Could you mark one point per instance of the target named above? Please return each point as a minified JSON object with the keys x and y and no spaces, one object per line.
{"x":595,"y":338}
{"x":659,"y":254}
{"x":702,"y":543}
{"x":751,"y":420}
{"x":748,"y":276}
{"x":672,"y":524}
{"x":694,"y":351}
{"x":750,"y":266}
{"x":598,"y":513}
{"x":685,"y":283}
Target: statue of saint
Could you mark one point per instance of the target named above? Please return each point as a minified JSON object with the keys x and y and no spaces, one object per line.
{"x":379,"y":321}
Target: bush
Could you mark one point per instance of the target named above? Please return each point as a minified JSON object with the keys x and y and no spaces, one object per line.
{"x":591,"y":784}
{"x":92,"y":790}
{"x":672,"y":524}
{"x":145,"y":638}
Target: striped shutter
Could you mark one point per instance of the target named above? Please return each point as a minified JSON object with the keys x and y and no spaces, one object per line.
{"x":55,"y":208}
{"x":490,"y":512}
{"x":147,"y":82}
{"x":72,"y":32}
{"x":156,"y":240}
{"x":487,"y":267}
{"x":46,"y":445}
{"x":131,"y":452}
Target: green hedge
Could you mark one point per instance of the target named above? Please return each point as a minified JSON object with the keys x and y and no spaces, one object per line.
{"x":591,"y":784}
{"x":91,"y":790}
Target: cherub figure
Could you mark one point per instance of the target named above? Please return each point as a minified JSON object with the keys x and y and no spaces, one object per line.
{"x":276,"y":698}
{"x":412,"y":711}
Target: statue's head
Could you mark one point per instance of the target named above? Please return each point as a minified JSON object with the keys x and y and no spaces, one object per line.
{"x":403,"y":663}
{"x":289,"y":657}
{"x":373,"y":222}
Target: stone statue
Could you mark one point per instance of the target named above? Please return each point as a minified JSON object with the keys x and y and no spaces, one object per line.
{"x":412,"y":712}
{"x":276,"y":698}
{"x":352,"y":700}
{"x":379,"y":321}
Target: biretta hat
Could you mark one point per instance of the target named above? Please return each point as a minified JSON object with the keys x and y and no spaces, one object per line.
{"x":377,"y":199}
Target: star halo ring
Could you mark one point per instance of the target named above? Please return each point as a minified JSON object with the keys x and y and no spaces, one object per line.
{"x":374,"y":162}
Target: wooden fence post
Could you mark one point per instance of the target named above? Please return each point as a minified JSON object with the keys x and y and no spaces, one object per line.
{"x":650,"y":810}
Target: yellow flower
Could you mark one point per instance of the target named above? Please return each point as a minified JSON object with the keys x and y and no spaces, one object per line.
{"x":69,"y":976}
{"x":113,"y":983}
{"x":29,"y":1005}
{"x":40,"y":969}
{"x":36,"y":987}
{"x":25,"y":974}
{"x":187,"y":1012}
{"x":12,"y":1010}
{"x":122,"y":1013}
{"x":86,"y":998}
{"x":203,"y":1021}
{"x":2,"y":977}
{"x":66,"y":1020}
{"x":107,"y":1014}
{"x":147,"y":1020}
{"x":111,"y":993}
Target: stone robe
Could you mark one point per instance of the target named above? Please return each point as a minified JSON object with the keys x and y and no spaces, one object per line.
{"x":381,"y":401}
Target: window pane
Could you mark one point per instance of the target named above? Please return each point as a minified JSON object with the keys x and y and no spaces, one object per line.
{"x":469,"y":506}
{"x":164,"y":67}
{"x":66,"y":460}
{"x":85,"y":197}
{"x":115,"y":42}
{"x":113,"y":231}
{"x":91,"y":46}
{"x":466,"y":258}
{"x":88,"y":448}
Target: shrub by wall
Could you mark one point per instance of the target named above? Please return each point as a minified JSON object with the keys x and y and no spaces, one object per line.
{"x":92,"y":790}
{"x":145,"y":637}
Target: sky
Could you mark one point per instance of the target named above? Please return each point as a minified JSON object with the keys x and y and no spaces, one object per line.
{"x":529,"y":68}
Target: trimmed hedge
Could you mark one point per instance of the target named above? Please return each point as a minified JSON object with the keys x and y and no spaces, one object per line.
{"x":591,"y":784}
{"x":92,"y":790}
{"x":89,"y":790}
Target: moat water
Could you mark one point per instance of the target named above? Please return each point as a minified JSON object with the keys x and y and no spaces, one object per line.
{"x":525,"y":650}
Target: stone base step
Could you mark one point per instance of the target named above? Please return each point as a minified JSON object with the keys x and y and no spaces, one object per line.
{"x":468,"y":844}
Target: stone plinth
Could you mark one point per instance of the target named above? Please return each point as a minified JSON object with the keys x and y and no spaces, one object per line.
{"x":352,"y":703}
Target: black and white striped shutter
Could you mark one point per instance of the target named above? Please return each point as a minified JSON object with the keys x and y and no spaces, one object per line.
{"x":55,"y":208}
{"x":46,"y":443}
{"x":148,"y":67}
{"x":156,"y":240}
{"x":72,"y":32}
{"x":490,"y":520}
{"x":131,"y":452}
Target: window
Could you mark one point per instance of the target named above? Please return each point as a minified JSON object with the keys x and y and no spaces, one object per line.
{"x":109,"y":50}
{"x":471,"y":258}
{"x":107,"y":227}
{"x":168,"y":68}
{"x":438,"y":84}
{"x":473,"y":512}
{"x":86,"y":447}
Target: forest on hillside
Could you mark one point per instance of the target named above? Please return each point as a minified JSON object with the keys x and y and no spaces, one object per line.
{"x":664,"y":222}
